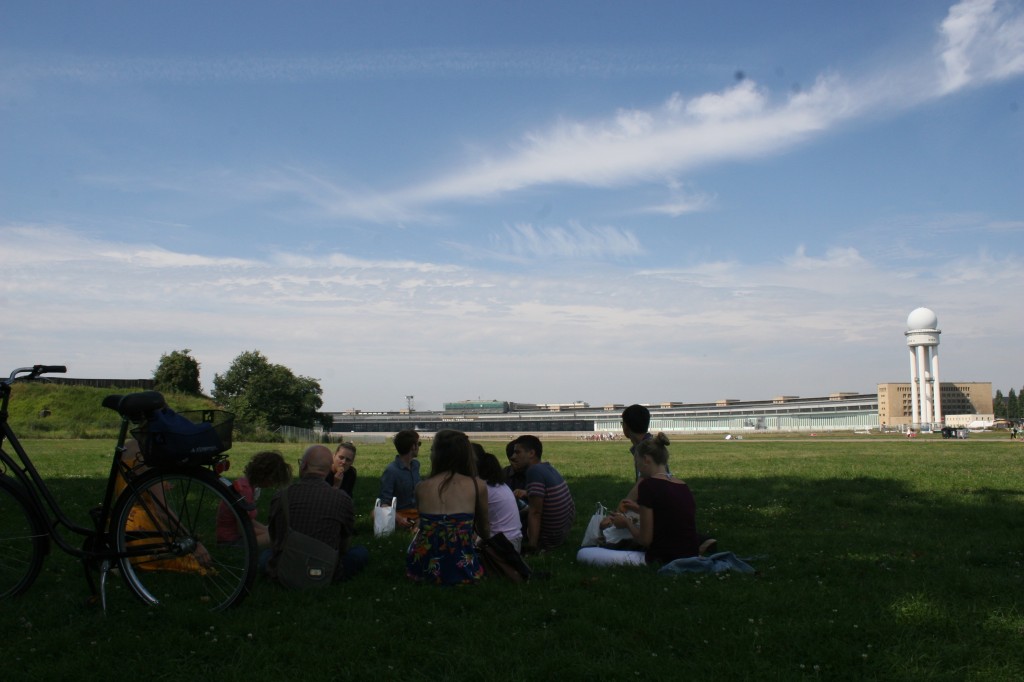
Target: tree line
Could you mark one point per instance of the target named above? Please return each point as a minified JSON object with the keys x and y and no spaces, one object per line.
{"x":1010,"y":406}
{"x":262,"y":395}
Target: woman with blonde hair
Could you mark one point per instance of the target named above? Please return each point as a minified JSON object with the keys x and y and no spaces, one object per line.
{"x":452,"y":503}
{"x":667,"y":527}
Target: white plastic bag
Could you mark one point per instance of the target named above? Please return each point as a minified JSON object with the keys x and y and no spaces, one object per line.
{"x":592,"y":536}
{"x":613,"y":535}
{"x":384,"y":518}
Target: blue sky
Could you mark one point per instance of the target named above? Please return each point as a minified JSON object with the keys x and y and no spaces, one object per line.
{"x":540,"y":202}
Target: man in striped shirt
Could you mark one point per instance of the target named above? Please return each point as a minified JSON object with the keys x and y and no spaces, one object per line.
{"x":551,"y":509}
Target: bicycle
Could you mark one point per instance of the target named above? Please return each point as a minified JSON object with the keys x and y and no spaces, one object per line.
{"x":157,"y":524}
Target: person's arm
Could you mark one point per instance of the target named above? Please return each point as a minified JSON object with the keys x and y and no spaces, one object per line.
{"x":387,"y":487}
{"x":643,"y":530}
{"x":534,"y":513}
{"x":646,"y":526}
{"x":482,"y":519}
{"x":262,"y":534}
{"x":348,"y":483}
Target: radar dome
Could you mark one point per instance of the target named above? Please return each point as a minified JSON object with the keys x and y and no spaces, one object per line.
{"x":922,"y":318}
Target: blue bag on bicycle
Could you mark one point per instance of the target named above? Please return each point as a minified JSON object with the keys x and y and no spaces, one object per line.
{"x":187,"y":438}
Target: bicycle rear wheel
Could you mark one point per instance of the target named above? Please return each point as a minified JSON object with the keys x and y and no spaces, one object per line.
{"x":164,"y":528}
{"x":23,"y":540}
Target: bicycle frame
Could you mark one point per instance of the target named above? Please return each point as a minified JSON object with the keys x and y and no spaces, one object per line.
{"x":43,"y":503}
{"x":41,"y":498}
{"x":151,"y":523}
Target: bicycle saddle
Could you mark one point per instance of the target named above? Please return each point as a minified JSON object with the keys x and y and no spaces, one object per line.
{"x":135,"y":406}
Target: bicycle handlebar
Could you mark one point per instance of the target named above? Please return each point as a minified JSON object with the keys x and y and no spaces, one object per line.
{"x":36,"y":370}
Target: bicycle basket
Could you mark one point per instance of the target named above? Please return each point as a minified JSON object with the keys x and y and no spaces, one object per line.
{"x":194,"y":437}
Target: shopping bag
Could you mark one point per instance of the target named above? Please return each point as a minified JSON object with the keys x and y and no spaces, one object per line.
{"x":592,"y":536}
{"x":613,"y":536}
{"x":384,"y":518}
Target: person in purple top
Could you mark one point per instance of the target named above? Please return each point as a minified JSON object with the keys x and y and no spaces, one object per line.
{"x":667,"y":526}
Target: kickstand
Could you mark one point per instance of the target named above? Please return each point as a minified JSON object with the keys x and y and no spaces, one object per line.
{"x":104,"y":572}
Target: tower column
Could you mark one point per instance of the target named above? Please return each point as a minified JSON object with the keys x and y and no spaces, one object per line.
{"x":939,"y":418}
{"x":915,"y":413}
{"x":926,"y":386}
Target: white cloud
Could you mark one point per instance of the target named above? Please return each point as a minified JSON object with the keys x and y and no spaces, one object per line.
{"x":982,"y":40}
{"x":572,"y":241}
{"x":638,"y":146}
{"x":381,"y":329}
{"x":834,"y":258}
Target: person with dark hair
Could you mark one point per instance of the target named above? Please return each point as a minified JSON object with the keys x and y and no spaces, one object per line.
{"x":551,"y":511}
{"x":401,"y":477}
{"x":343,"y":470}
{"x":452,"y":502}
{"x":318,"y":510}
{"x":636,"y":422}
{"x":515,"y":480}
{"x":502,"y":510}
{"x":667,"y":526}
{"x":265,"y":470}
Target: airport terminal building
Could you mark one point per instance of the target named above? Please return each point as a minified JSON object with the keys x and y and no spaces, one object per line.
{"x":889,"y":407}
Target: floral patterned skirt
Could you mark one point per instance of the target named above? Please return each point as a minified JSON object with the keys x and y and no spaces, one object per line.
{"x":442,"y":551}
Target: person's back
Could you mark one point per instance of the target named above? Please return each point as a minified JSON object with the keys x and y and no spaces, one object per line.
{"x":503,"y":514}
{"x":503,"y":511}
{"x":318,"y":510}
{"x":675,"y":528}
{"x":452,"y":501}
{"x":458,"y":497}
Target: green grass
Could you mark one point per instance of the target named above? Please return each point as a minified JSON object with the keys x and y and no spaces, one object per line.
{"x":44,"y":410}
{"x":878,"y":558}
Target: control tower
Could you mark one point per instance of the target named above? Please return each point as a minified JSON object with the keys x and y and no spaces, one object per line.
{"x":925,"y":392}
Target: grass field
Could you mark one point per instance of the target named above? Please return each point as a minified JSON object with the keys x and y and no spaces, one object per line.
{"x":878,"y":559}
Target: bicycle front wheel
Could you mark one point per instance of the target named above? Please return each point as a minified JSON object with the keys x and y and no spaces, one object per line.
{"x":23,"y":540}
{"x":165,"y":533}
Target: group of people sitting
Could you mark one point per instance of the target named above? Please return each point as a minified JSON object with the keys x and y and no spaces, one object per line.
{"x":468,"y":497}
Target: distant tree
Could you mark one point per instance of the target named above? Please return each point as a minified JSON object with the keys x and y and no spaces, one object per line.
{"x":999,"y":405}
{"x":266,"y":395}
{"x":1012,"y":405}
{"x":178,"y":371}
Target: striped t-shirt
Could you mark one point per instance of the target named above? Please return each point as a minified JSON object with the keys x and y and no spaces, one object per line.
{"x":543,"y":480}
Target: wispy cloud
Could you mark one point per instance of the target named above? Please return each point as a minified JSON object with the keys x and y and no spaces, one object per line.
{"x":635,"y":146}
{"x":981,"y":40}
{"x":571,"y":241}
{"x":681,"y":202}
